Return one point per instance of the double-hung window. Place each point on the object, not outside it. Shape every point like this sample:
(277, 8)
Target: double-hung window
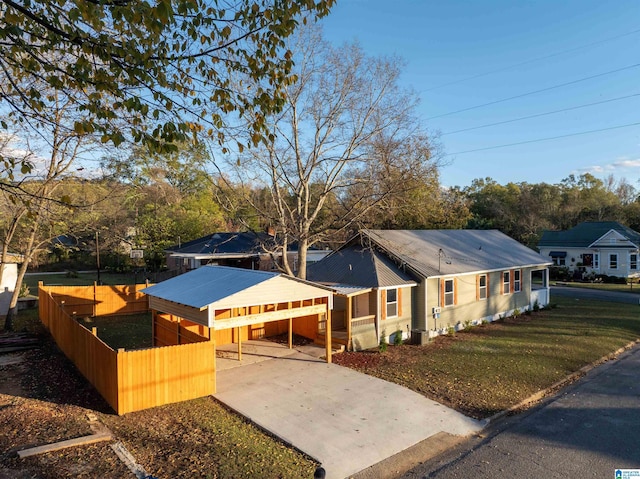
(392, 303)
(506, 282)
(517, 281)
(449, 292)
(613, 261)
(633, 261)
(482, 286)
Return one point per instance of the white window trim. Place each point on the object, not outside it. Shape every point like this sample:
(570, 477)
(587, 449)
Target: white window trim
(387, 303)
(506, 287)
(596, 261)
(517, 281)
(611, 255)
(633, 263)
(483, 288)
(452, 293)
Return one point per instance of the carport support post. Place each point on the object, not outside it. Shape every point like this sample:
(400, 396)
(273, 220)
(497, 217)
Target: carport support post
(239, 344)
(290, 332)
(328, 334)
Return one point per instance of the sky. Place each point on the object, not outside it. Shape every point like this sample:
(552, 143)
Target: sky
(477, 56)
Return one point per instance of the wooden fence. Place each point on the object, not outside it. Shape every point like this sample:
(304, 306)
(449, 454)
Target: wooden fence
(127, 380)
(100, 300)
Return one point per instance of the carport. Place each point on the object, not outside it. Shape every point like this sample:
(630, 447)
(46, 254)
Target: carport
(228, 305)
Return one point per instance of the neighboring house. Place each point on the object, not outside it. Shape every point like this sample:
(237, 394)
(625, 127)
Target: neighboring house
(598, 247)
(9, 278)
(247, 250)
(429, 280)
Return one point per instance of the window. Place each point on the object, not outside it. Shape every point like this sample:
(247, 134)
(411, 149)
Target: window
(559, 261)
(392, 303)
(449, 292)
(517, 282)
(482, 286)
(596, 261)
(633, 261)
(613, 261)
(506, 282)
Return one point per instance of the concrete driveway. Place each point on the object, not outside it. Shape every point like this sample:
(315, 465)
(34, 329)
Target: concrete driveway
(345, 420)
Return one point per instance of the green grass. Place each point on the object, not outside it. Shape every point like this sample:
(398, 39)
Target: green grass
(623, 288)
(132, 331)
(82, 279)
(493, 367)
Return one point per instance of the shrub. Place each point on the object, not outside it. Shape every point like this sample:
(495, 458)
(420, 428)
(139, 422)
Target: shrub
(24, 291)
(383, 342)
(559, 273)
(451, 331)
(536, 306)
(467, 325)
(397, 338)
(516, 312)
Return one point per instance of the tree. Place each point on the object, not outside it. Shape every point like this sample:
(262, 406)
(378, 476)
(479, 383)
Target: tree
(167, 67)
(34, 201)
(322, 151)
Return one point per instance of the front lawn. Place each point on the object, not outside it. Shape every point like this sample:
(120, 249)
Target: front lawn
(493, 367)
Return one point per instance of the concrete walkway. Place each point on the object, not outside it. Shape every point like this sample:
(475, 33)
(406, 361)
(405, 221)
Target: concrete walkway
(345, 420)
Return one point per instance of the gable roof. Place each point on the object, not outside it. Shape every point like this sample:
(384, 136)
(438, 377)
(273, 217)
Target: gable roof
(447, 252)
(584, 234)
(233, 287)
(358, 265)
(244, 243)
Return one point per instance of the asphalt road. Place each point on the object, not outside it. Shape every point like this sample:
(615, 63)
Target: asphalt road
(584, 293)
(589, 430)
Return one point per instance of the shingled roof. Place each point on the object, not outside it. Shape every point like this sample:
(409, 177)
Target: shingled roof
(585, 234)
(361, 266)
(446, 252)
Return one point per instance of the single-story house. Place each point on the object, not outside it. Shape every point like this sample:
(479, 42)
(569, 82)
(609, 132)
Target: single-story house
(249, 250)
(395, 282)
(594, 247)
(230, 305)
(9, 278)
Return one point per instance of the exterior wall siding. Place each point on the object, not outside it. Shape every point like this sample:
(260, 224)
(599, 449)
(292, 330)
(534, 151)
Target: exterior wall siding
(469, 310)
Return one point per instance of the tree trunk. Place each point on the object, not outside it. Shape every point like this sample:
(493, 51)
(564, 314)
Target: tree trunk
(303, 246)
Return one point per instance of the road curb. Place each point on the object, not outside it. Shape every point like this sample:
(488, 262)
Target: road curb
(537, 397)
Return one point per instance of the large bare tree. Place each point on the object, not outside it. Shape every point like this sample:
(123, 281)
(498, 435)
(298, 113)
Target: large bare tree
(323, 161)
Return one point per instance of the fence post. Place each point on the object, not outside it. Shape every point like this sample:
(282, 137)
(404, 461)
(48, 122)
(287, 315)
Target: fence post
(93, 306)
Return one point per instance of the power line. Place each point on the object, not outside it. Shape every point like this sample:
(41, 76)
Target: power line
(541, 114)
(573, 82)
(515, 65)
(542, 139)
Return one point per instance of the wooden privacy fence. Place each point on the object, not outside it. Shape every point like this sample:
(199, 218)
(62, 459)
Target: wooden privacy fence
(100, 300)
(127, 380)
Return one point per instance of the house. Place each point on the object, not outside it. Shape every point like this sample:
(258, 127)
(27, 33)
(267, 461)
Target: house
(594, 247)
(248, 250)
(9, 278)
(230, 305)
(427, 280)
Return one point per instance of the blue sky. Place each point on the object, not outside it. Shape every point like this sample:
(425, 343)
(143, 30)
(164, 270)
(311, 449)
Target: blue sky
(450, 45)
